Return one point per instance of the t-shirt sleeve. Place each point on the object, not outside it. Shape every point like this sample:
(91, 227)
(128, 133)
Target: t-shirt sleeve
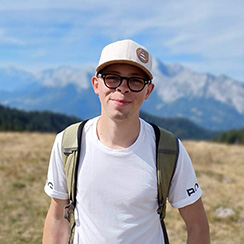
(184, 188)
(56, 186)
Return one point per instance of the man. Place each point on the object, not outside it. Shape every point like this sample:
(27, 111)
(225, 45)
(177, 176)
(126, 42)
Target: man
(117, 183)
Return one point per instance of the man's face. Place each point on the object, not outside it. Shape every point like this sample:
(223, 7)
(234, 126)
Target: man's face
(121, 103)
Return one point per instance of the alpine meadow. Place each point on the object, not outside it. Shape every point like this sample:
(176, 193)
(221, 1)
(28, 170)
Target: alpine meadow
(23, 203)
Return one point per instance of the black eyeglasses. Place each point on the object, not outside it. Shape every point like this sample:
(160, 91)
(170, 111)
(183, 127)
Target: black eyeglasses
(135, 84)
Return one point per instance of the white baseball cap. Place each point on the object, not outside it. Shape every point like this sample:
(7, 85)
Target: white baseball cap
(126, 52)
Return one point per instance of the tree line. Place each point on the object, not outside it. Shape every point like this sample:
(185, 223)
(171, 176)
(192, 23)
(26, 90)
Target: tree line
(19, 120)
(231, 137)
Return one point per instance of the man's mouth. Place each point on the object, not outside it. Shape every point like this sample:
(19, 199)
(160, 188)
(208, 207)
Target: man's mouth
(119, 102)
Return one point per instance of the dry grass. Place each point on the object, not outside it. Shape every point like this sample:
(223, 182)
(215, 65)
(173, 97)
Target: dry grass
(23, 168)
(219, 170)
(23, 204)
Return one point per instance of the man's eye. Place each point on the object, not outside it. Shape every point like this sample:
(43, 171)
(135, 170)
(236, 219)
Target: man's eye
(137, 80)
(112, 77)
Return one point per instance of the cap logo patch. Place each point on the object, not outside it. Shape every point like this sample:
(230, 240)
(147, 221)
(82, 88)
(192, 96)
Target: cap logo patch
(142, 55)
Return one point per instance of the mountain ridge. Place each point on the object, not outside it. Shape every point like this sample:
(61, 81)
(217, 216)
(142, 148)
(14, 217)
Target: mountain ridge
(211, 102)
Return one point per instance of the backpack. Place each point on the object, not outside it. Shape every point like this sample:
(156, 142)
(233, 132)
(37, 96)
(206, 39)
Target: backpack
(167, 150)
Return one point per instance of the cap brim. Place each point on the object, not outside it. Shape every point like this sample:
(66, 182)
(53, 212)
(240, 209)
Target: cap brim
(124, 61)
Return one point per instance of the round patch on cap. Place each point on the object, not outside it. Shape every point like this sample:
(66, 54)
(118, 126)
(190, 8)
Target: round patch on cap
(142, 54)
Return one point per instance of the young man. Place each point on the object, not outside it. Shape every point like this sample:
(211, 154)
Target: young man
(117, 183)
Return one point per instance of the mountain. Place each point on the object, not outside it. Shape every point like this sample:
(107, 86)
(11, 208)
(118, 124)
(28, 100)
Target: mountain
(181, 127)
(215, 103)
(212, 102)
(63, 90)
(12, 79)
(67, 100)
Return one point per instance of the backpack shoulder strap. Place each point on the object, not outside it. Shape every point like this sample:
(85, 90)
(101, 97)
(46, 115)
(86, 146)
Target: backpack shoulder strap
(167, 156)
(71, 144)
(167, 151)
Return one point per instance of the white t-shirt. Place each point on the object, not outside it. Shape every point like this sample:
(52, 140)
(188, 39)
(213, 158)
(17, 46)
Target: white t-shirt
(117, 189)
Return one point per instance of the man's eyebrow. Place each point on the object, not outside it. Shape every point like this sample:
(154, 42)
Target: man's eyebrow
(137, 74)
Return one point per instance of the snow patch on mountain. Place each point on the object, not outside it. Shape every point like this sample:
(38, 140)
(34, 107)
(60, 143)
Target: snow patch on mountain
(64, 75)
(174, 82)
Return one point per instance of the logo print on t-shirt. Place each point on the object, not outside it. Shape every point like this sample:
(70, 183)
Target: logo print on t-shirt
(50, 184)
(190, 191)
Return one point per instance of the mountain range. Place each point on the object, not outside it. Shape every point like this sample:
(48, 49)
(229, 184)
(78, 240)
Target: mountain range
(215, 103)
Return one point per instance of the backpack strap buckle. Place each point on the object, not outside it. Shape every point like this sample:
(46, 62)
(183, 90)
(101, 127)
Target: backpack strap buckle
(68, 211)
(160, 208)
(69, 215)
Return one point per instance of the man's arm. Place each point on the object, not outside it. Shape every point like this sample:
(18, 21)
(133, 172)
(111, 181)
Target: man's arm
(196, 223)
(56, 228)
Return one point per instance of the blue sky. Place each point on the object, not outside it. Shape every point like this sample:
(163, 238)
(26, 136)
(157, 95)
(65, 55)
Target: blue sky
(206, 36)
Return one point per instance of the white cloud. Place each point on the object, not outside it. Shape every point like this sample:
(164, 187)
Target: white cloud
(7, 39)
(39, 53)
(201, 32)
(43, 4)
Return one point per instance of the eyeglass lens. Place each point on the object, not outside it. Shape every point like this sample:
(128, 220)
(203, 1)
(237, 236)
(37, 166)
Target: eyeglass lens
(134, 83)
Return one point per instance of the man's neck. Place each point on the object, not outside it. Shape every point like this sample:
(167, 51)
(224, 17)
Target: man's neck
(118, 134)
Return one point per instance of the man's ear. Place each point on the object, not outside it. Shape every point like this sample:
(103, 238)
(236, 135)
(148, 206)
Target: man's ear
(149, 90)
(95, 84)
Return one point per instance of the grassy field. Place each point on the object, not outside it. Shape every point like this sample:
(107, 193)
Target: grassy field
(23, 204)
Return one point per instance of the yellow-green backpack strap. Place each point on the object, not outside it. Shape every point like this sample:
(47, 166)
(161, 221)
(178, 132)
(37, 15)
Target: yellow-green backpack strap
(167, 156)
(71, 144)
(167, 151)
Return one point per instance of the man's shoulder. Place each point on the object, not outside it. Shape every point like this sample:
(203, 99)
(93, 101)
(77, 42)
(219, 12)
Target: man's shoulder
(88, 124)
(150, 128)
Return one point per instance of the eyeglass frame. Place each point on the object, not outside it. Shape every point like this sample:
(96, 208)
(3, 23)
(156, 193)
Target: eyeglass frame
(103, 76)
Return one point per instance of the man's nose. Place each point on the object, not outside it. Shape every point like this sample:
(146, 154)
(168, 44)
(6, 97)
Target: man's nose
(123, 88)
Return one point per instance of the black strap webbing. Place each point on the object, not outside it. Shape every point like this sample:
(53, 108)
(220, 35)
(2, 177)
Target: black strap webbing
(79, 138)
(157, 138)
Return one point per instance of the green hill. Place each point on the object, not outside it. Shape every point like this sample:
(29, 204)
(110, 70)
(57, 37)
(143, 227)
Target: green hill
(231, 137)
(18, 120)
(181, 127)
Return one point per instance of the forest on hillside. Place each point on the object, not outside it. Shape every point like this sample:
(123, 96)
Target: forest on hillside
(231, 137)
(19, 120)
(12, 119)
